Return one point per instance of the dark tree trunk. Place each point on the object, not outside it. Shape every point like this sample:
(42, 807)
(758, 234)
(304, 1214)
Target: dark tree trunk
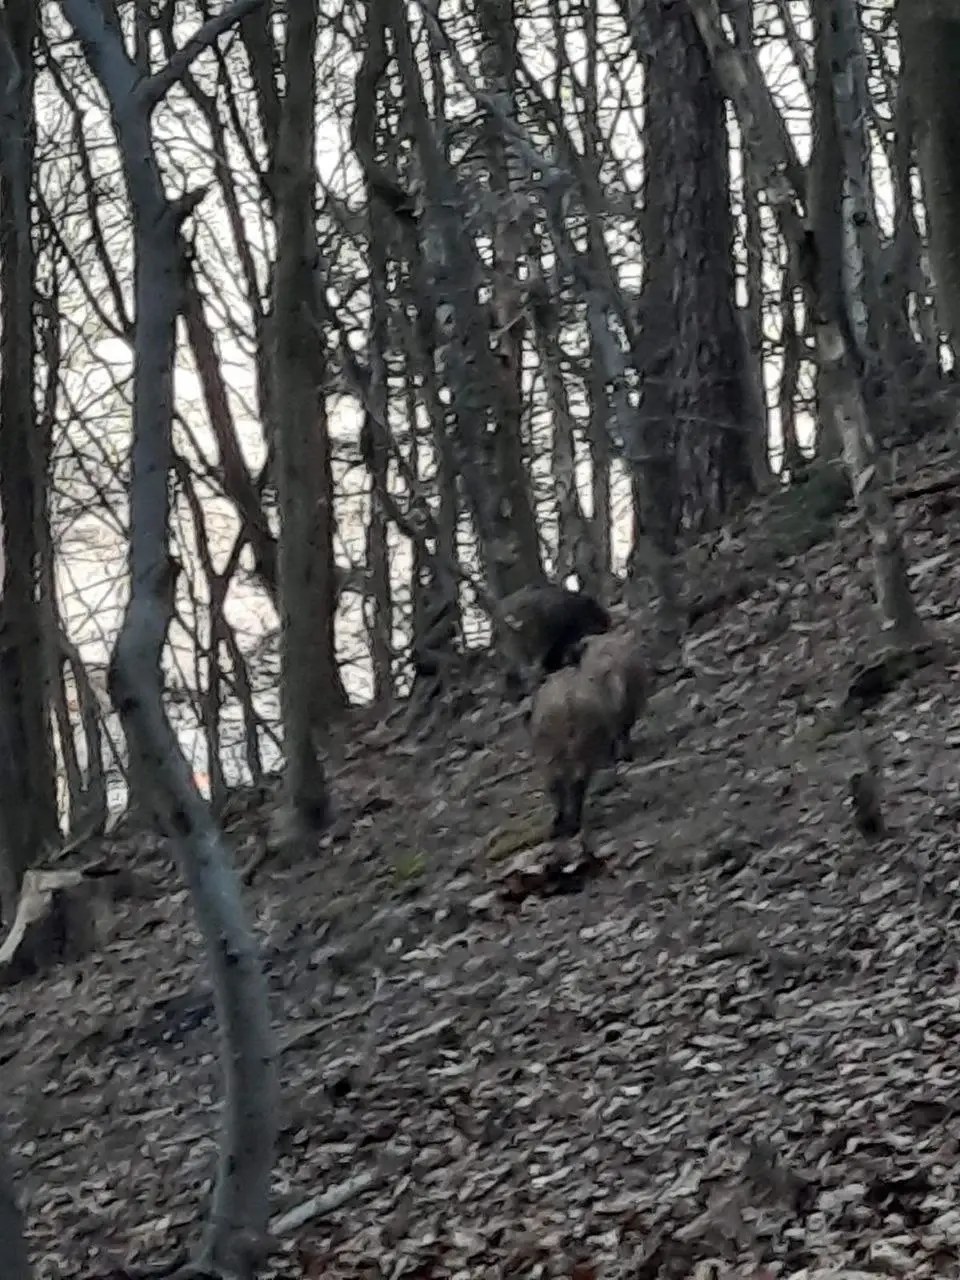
(32, 815)
(930, 34)
(311, 688)
(697, 384)
(13, 1247)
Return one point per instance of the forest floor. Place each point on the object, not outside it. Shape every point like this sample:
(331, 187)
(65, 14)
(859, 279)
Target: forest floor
(726, 1044)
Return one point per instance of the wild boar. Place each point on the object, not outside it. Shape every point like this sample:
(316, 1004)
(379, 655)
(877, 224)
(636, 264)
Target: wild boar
(545, 622)
(618, 660)
(574, 722)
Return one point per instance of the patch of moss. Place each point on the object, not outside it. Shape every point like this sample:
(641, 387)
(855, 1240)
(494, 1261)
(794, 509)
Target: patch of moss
(409, 867)
(526, 832)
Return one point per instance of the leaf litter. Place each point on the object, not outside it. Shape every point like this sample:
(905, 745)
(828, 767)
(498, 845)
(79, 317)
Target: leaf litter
(725, 1046)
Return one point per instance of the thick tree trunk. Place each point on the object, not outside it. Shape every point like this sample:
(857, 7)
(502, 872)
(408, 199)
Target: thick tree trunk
(13, 1245)
(310, 684)
(515, 513)
(705, 399)
(930, 35)
(26, 652)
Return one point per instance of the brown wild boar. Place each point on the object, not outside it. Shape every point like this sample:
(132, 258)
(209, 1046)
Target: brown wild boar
(573, 727)
(545, 623)
(618, 659)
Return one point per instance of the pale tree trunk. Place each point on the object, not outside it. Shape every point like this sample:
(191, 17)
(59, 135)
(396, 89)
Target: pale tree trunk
(238, 1219)
(435, 613)
(765, 133)
(930, 35)
(26, 650)
(378, 597)
(689, 294)
(842, 86)
(375, 453)
(790, 341)
(755, 396)
(598, 424)
(375, 434)
(309, 685)
(394, 230)
(910, 282)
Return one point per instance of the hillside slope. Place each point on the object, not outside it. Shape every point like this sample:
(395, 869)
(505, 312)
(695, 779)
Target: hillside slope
(730, 1042)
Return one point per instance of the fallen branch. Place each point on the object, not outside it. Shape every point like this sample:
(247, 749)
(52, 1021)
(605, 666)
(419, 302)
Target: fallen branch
(319, 1206)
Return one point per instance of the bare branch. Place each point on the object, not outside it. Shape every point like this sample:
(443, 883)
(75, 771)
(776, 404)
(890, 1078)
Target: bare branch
(153, 90)
(103, 47)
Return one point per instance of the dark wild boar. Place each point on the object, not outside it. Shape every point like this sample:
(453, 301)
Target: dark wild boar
(545, 624)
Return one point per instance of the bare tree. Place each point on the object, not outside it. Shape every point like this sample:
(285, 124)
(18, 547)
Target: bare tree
(765, 133)
(240, 1202)
(462, 332)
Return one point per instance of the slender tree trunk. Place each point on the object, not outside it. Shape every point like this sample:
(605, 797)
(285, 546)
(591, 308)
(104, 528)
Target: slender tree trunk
(238, 1218)
(752, 314)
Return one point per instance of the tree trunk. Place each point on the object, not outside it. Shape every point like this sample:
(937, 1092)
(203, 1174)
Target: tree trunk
(13, 1245)
(26, 651)
(705, 402)
(309, 681)
(930, 35)
(239, 1212)
(515, 510)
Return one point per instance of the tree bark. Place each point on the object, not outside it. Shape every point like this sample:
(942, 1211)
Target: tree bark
(26, 651)
(515, 514)
(239, 1212)
(13, 1245)
(930, 35)
(704, 403)
(304, 478)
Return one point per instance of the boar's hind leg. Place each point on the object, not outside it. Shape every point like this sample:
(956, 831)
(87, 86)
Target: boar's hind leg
(575, 797)
(558, 796)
